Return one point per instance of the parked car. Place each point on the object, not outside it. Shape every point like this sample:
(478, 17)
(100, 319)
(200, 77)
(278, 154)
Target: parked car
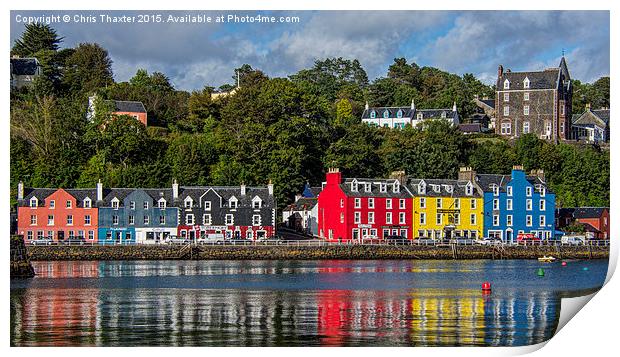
(177, 240)
(489, 241)
(73, 241)
(574, 239)
(42, 241)
(397, 240)
(216, 238)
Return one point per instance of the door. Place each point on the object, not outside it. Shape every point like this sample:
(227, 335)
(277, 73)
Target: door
(509, 236)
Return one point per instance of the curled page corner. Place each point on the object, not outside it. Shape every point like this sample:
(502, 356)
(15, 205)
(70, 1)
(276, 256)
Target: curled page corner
(570, 306)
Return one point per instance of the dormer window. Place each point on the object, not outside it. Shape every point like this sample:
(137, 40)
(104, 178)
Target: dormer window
(115, 202)
(354, 186)
(436, 188)
(449, 188)
(161, 203)
(399, 114)
(367, 187)
(87, 203)
(443, 115)
(469, 190)
(526, 83)
(420, 116)
(257, 202)
(386, 114)
(495, 189)
(396, 187)
(207, 205)
(506, 84)
(422, 188)
(383, 187)
(373, 114)
(34, 202)
(188, 202)
(233, 202)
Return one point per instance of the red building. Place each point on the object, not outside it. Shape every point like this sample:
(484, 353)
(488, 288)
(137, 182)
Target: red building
(361, 208)
(58, 214)
(594, 220)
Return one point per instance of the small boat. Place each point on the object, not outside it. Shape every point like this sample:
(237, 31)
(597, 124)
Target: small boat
(546, 259)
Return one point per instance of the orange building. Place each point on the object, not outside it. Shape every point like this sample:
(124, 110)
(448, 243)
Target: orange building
(58, 214)
(120, 107)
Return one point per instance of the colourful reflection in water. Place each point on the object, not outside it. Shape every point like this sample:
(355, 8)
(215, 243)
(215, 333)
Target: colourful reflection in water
(389, 303)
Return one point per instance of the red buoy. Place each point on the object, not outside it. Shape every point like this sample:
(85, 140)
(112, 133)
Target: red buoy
(486, 287)
(563, 264)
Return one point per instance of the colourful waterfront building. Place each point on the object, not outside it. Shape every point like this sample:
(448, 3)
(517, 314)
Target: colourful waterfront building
(516, 203)
(362, 208)
(446, 208)
(58, 214)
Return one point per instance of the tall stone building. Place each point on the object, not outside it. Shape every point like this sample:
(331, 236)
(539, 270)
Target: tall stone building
(534, 102)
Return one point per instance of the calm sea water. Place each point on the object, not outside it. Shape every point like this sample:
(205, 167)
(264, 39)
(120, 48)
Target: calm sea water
(294, 303)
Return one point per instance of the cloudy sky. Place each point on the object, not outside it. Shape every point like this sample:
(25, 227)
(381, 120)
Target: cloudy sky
(195, 55)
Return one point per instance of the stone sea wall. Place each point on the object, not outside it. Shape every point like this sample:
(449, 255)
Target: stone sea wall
(308, 253)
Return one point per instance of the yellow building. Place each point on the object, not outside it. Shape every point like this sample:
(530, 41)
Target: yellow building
(446, 208)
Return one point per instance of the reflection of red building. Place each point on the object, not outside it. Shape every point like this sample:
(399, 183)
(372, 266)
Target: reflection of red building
(334, 313)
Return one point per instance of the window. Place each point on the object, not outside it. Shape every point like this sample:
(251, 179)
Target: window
(542, 191)
(354, 186)
(145, 205)
(528, 205)
(506, 128)
(526, 96)
(509, 220)
(401, 204)
(495, 204)
(469, 190)
(422, 218)
(69, 204)
(34, 202)
(373, 114)
(233, 202)
(115, 220)
(473, 203)
(70, 220)
(87, 220)
(50, 220)
(146, 220)
(132, 220)
(207, 205)
(367, 187)
(383, 187)
(358, 203)
(528, 191)
(402, 218)
(115, 203)
(256, 220)
(506, 84)
(91, 235)
(50, 234)
(496, 220)
(371, 217)
(388, 203)
(562, 109)
(400, 113)
(542, 205)
(472, 219)
(457, 203)
(509, 204)
(162, 219)
(420, 116)
(257, 203)
(206, 219)
(526, 83)
(341, 217)
(509, 191)
(189, 219)
(33, 220)
(439, 203)
(81, 234)
(457, 219)
(162, 203)
(388, 217)
(386, 114)
(422, 202)
(506, 110)
(506, 97)
(526, 127)
(528, 220)
(495, 189)
(52, 204)
(187, 203)
(438, 218)
(526, 110)
(371, 203)
(562, 127)
(132, 205)
(357, 217)
(542, 221)
(396, 187)
(71, 234)
(39, 234)
(87, 203)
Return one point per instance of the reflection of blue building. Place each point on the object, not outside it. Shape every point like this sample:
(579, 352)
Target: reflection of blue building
(517, 204)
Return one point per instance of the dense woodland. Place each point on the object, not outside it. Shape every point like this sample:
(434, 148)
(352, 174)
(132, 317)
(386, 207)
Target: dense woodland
(288, 130)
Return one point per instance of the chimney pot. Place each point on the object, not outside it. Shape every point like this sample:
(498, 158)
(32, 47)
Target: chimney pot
(20, 191)
(99, 190)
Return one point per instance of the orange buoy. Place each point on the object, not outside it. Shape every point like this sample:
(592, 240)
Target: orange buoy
(486, 287)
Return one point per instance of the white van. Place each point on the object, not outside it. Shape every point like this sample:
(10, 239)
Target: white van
(574, 239)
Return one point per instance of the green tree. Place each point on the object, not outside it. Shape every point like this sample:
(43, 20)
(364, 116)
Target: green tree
(36, 37)
(87, 69)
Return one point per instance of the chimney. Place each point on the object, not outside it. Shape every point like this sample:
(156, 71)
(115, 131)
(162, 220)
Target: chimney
(412, 104)
(467, 173)
(588, 106)
(500, 71)
(454, 107)
(99, 191)
(366, 106)
(400, 176)
(333, 177)
(242, 189)
(517, 167)
(270, 188)
(175, 189)
(20, 191)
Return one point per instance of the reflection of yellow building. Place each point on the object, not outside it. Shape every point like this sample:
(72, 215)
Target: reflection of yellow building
(440, 318)
(446, 208)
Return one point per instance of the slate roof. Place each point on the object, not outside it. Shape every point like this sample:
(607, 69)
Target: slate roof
(409, 113)
(157, 193)
(590, 118)
(588, 212)
(304, 203)
(603, 114)
(226, 192)
(316, 190)
(24, 66)
(547, 79)
(375, 185)
(81, 193)
(470, 128)
(485, 181)
(127, 106)
(489, 102)
(435, 113)
(442, 188)
(40, 193)
(119, 193)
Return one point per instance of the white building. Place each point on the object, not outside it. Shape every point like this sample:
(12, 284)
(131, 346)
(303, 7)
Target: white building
(398, 117)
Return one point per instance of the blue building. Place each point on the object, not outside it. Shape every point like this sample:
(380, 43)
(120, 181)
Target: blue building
(515, 204)
(128, 215)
